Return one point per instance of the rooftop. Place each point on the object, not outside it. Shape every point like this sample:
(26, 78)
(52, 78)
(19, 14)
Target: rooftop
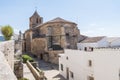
(92, 39)
(58, 19)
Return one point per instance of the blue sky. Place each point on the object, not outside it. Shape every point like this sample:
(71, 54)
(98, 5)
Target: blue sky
(94, 17)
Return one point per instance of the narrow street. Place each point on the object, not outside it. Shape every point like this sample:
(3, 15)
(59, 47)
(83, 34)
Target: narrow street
(51, 70)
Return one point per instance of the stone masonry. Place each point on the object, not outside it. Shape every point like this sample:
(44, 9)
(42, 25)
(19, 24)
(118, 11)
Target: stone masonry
(7, 60)
(47, 40)
(7, 47)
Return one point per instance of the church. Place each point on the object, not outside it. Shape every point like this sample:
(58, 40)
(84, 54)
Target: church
(47, 39)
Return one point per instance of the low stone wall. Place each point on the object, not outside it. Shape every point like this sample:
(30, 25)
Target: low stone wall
(34, 71)
(54, 56)
(18, 69)
(7, 47)
(6, 73)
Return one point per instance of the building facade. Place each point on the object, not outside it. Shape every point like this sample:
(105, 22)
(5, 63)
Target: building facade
(99, 64)
(97, 42)
(46, 40)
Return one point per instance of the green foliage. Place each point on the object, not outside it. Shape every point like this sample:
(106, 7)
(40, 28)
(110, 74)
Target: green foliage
(23, 79)
(26, 57)
(7, 32)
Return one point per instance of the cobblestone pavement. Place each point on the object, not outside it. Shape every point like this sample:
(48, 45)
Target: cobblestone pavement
(51, 70)
(27, 73)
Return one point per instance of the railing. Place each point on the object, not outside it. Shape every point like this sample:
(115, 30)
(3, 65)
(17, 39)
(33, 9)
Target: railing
(38, 75)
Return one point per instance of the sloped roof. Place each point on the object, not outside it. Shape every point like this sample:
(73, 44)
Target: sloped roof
(58, 19)
(111, 39)
(92, 39)
(35, 14)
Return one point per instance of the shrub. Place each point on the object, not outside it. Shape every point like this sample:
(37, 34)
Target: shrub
(7, 32)
(26, 57)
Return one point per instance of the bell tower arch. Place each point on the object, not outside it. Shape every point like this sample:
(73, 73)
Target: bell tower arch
(35, 20)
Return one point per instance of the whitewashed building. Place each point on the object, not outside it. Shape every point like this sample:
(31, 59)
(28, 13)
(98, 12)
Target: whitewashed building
(99, 64)
(93, 42)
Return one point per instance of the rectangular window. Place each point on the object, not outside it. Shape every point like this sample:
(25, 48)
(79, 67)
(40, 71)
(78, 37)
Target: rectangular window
(90, 63)
(71, 74)
(67, 57)
(61, 67)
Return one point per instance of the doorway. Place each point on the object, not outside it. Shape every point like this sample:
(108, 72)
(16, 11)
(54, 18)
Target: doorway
(41, 56)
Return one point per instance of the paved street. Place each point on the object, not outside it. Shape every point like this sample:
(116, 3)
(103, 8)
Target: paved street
(51, 70)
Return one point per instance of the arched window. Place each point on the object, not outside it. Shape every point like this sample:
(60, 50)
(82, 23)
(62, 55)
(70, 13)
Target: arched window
(37, 20)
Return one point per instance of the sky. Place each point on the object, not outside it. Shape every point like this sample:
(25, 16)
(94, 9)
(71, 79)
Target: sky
(94, 17)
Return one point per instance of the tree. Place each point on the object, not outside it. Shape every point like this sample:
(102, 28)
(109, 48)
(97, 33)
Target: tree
(7, 32)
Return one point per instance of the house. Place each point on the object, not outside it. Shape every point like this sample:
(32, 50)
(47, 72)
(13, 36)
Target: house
(99, 64)
(100, 41)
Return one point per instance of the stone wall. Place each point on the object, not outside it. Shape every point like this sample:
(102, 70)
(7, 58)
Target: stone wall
(38, 46)
(6, 73)
(28, 40)
(18, 69)
(54, 56)
(7, 47)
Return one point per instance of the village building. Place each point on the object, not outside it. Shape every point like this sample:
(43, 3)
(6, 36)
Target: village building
(99, 41)
(97, 64)
(47, 40)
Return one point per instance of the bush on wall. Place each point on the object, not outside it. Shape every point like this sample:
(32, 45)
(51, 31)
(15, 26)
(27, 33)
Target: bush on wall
(26, 57)
(7, 32)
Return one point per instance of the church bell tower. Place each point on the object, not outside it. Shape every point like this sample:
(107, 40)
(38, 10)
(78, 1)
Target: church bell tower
(35, 20)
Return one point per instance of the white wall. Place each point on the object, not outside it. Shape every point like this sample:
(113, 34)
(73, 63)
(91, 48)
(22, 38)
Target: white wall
(105, 65)
(81, 46)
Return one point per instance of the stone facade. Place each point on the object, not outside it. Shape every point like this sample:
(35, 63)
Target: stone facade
(46, 40)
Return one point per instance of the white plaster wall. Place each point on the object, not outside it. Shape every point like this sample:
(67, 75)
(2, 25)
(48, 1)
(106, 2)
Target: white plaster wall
(105, 64)
(81, 46)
